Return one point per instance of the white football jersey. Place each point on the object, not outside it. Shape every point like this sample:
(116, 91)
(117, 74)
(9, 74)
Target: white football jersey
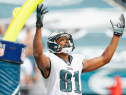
(64, 79)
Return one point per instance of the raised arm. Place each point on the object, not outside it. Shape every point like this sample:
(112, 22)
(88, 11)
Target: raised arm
(95, 63)
(41, 59)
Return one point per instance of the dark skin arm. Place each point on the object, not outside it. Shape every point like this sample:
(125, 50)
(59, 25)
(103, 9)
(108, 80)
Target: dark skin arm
(41, 59)
(95, 63)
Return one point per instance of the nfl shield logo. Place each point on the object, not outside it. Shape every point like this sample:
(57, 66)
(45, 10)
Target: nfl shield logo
(23, 54)
(2, 49)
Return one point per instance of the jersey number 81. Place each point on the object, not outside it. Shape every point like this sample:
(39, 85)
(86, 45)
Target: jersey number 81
(66, 83)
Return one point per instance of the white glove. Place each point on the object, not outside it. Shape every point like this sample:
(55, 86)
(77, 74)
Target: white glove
(118, 28)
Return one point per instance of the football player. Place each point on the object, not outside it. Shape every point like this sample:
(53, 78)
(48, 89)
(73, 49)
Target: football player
(61, 71)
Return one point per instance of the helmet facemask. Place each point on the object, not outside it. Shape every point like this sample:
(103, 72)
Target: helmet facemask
(67, 48)
(55, 47)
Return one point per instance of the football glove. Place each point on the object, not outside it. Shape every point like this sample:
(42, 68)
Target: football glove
(118, 28)
(40, 14)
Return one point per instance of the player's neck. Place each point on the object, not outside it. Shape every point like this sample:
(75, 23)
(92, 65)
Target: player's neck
(62, 55)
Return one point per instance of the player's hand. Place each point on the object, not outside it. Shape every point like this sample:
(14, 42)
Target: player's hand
(118, 28)
(40, 14)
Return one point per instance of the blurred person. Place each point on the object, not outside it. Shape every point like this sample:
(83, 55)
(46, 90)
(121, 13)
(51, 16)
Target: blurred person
(25, 36)
(26, 71)
(25, 76)
(61, 71)
(2, 30)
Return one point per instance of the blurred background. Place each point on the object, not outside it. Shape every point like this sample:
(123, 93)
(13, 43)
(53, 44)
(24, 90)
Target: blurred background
(89, 23)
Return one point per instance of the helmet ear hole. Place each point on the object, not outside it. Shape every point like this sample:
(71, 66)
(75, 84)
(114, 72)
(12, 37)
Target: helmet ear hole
(59, 46)
(53, 47)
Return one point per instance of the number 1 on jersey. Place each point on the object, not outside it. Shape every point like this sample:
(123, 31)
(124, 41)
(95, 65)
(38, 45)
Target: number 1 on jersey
(76, 75)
